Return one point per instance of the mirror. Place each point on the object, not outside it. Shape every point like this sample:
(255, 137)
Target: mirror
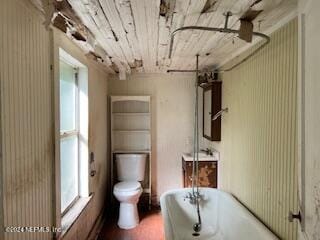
(207, 96)
(211, 106)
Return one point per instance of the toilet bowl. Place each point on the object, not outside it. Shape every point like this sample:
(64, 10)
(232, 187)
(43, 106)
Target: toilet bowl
(128, 193)
(130, 171)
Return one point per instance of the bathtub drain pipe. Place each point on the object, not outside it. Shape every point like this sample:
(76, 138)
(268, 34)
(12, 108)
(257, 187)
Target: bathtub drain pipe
(197, 226)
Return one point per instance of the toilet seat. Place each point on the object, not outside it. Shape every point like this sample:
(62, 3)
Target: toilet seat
(127, 186)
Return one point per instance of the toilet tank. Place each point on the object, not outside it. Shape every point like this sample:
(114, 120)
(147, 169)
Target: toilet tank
(131, 167)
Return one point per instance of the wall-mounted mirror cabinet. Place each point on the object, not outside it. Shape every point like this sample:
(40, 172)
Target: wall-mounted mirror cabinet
(211, 106)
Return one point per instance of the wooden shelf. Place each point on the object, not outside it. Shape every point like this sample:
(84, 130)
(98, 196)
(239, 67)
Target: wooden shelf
(130, 131)
(131, 151)
(131, 114)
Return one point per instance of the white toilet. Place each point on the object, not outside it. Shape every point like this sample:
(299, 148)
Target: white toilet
(130, 170)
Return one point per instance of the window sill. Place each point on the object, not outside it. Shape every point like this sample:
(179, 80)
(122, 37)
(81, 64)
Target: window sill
(72, 215)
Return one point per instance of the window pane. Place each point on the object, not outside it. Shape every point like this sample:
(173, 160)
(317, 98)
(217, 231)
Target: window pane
(67, 97)
(69, 170)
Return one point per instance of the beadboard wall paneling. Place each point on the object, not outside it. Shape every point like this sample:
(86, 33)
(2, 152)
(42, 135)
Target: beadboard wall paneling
(259, 133)
(27, 119)
(27, 123)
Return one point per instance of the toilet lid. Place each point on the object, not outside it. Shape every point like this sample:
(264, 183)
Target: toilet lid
(127, 186)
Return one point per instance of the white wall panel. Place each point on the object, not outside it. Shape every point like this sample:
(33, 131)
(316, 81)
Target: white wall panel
(26, 116)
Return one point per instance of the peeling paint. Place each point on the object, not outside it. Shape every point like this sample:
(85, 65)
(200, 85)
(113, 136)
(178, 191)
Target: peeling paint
(134, 29)
(164, 7)
(316, 220)
(209, 6)
(138, 63)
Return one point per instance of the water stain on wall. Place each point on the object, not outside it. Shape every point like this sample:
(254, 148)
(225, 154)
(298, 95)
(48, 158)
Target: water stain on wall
(316, 234)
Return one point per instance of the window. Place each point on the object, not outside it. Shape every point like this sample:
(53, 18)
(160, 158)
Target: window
(69, 135)
(73, 131)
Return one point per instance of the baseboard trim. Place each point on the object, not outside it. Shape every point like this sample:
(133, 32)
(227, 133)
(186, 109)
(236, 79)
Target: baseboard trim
(97, 226)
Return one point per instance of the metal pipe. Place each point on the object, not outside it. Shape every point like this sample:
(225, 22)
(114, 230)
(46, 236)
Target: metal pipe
(210, 29)
(195, 165)
(195, 137)
(228, 14)
(178, 70)
(197, 122)
(221, 30)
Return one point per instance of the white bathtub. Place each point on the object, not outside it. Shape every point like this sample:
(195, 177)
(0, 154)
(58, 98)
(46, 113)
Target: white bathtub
(223, 217)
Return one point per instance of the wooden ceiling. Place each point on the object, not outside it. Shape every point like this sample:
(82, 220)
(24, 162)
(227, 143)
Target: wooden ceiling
(134, 35)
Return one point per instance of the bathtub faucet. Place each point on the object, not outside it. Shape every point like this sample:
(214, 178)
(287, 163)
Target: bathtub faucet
(190, 197)
(208, 151)
(193, 198)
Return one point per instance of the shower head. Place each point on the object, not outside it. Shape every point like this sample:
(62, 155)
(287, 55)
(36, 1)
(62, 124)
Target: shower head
(218, 114)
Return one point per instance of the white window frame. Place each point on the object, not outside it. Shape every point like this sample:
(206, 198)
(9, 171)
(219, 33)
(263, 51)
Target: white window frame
(68, 216)
(74, 132)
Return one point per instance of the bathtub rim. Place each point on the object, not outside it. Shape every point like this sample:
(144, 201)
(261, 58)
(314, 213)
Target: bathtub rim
(167, 222)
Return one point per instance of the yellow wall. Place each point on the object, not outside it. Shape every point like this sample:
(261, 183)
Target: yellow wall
(259, 134)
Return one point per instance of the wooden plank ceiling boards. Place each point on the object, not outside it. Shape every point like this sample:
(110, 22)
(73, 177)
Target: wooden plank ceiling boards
(134, 35)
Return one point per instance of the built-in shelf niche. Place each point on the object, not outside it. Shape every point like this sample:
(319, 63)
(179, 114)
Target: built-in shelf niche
(131, 140)
(131, 123)
(131, 106)
(131, 130)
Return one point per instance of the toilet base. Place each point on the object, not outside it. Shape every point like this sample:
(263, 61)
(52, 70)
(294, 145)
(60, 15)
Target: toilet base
(128, 216)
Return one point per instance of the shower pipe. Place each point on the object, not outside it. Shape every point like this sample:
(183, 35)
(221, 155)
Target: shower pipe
(221, 30)
(195, 161)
